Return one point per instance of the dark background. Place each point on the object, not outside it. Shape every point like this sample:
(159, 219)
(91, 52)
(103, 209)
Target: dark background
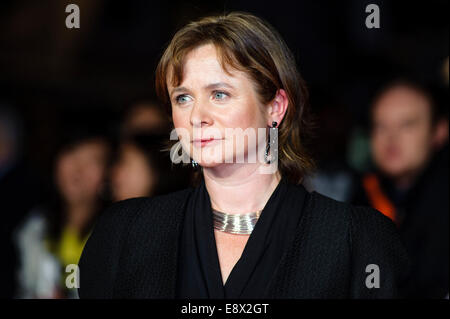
(50, 73)
(52, 76)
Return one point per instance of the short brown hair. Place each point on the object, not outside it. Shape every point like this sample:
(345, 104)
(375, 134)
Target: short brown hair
(248, 43)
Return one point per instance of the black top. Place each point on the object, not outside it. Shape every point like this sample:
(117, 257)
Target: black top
(423, 226)
(134, 251)
(199, 274)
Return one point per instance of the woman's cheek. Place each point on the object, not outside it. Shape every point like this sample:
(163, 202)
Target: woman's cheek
(176, 119)
(240, 117)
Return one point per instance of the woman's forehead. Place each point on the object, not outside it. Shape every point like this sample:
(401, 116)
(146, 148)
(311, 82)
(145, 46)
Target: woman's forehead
(202, 67)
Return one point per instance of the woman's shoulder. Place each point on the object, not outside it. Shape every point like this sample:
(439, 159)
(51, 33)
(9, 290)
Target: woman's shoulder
(130, 225)
(354, 214)
(127, 210)
(372, 237)
(345, 221)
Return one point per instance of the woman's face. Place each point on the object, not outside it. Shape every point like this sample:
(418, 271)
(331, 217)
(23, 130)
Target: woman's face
(131, 176)
(209, 103)
(80, 172)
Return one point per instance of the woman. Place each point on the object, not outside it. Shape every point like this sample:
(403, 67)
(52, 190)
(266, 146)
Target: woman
(141, 170)
(54, 234)
(249, 229)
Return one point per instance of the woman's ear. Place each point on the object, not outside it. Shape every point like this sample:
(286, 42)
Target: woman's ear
(278, 107)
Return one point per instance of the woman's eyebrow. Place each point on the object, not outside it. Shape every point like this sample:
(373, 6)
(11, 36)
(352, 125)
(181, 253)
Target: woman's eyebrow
(206, 87)
(218, 85)
(178, 89)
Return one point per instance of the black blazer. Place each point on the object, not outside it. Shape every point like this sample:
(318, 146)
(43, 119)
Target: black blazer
(133, 250)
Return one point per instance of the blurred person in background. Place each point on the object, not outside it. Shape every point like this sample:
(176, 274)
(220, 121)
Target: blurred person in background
(144, 117)
(19, 192)
(409, 143)
(54, 233)
(333, 176)
(141, 169)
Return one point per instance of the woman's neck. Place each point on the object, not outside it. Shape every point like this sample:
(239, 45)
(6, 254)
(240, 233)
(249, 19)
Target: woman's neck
(239, 188)
(78, 214)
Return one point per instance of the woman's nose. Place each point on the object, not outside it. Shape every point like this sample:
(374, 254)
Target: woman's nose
(200, 115)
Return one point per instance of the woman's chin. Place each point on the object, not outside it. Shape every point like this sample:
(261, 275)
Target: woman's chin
(209, 163)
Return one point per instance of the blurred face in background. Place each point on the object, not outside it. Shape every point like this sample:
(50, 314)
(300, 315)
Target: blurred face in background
(210, 99)
(402, 132)
(144, 117)
(80, 171)
(132, 175)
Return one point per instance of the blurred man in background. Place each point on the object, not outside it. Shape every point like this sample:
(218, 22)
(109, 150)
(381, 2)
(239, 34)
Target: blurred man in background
(409, 142)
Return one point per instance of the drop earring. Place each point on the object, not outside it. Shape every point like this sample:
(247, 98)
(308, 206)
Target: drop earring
(273, 137)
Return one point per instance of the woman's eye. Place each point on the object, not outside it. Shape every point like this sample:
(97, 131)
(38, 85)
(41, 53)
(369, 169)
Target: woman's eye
(181, 99)
(220, 95)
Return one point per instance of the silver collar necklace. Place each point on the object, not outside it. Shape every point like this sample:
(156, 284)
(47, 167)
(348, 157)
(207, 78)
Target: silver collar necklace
(241, 224)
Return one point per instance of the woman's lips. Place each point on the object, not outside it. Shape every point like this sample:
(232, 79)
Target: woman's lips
(204, 142)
